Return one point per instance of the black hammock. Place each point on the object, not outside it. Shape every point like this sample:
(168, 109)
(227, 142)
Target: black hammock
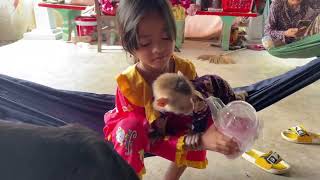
(28, 102)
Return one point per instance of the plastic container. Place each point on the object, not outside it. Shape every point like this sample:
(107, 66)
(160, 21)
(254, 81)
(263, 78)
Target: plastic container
(238, 120)
(237, 5)
(86, 26)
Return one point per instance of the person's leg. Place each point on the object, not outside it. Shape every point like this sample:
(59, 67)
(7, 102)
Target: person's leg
(269, 43)
(174, 172)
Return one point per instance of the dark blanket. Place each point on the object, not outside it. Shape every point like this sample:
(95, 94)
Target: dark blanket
(29, 102)
(36, 104)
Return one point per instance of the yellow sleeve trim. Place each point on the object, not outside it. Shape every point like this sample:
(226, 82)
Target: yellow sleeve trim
(137, 91)
(181, 154)
(151, 114)
(197, 164)
(132, 86)
(142, 172)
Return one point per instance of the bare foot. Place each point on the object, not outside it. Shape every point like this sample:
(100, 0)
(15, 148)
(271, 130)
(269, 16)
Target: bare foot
(241, 95)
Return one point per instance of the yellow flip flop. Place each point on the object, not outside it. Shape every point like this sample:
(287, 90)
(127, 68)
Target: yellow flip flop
(270, 162)
(298, 134)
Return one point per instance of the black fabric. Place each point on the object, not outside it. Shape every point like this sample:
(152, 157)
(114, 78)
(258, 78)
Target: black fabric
(29, 102)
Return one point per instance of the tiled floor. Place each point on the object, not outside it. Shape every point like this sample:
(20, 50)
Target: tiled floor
(80, 67)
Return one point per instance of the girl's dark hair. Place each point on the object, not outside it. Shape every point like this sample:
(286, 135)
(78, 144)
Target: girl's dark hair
(130, 13)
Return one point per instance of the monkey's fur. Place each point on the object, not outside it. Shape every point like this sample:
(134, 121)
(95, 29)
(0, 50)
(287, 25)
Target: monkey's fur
(175, 93)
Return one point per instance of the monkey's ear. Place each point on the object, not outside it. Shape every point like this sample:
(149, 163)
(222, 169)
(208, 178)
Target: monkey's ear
(180, 73)
(162, 102)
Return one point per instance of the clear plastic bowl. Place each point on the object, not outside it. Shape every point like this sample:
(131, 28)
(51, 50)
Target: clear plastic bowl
(238, 120)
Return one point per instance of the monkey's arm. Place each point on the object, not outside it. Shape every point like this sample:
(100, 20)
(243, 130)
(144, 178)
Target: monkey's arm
(160, 125)
(158, 129)
(212, 85)
(199, 104)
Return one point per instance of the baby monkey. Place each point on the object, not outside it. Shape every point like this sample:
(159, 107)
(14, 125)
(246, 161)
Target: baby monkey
(175, 93)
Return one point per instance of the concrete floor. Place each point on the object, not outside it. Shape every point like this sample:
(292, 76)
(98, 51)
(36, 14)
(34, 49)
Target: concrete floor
(78, 67)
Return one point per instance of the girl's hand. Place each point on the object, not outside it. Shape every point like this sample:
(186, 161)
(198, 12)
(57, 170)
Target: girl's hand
(292, 32)
(214, 140)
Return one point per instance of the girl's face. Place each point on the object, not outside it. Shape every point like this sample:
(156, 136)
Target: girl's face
(154, 45)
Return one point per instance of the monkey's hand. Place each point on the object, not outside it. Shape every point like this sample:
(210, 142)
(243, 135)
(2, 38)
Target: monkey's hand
(199, 105)
(161, 124)
(193, 142)
(154, 136)
(159, 129)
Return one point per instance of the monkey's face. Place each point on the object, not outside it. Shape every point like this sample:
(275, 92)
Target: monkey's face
(173, 93)
(180, 104)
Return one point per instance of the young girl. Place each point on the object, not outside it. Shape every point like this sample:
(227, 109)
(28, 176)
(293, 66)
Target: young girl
(147, 30)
